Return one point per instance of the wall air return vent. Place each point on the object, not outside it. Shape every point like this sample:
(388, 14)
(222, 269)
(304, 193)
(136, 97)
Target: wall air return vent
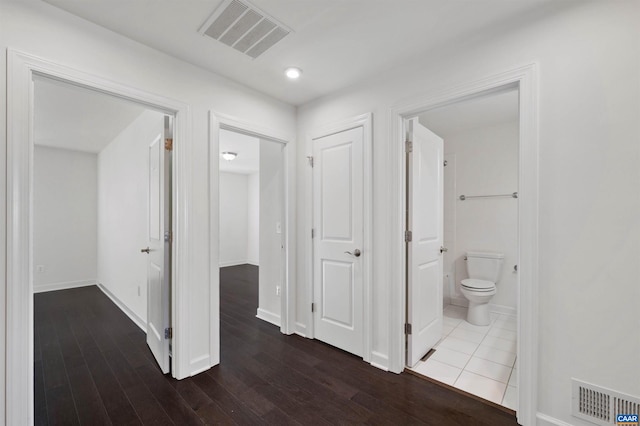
(601, 405)
(244, 27)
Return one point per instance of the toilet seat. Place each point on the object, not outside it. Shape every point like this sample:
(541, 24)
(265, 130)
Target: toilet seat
(473, 284)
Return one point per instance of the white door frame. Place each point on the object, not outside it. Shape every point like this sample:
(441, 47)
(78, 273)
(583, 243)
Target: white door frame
(366, 122)
(21, 68)
(219, 121)
(524, 78)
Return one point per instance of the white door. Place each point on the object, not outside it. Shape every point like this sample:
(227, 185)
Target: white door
(338, 219)
(424, 257)
(158, 250)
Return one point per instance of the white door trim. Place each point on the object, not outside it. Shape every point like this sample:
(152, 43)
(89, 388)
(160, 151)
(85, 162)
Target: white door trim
(526, 79)
(219, 121)
(21, 67)
(366, 122)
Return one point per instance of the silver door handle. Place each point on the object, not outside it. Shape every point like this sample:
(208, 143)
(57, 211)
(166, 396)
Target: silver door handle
(145, 250)
(355, 253)
(443, 249)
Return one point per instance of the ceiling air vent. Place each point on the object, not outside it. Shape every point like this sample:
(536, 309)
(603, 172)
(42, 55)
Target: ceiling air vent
(244, 27)
(601, 405)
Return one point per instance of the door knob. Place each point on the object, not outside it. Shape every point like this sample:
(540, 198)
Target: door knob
(145, 250)
(355, 253)
(443, 249)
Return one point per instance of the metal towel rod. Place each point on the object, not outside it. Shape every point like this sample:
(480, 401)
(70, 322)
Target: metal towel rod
(466, 197)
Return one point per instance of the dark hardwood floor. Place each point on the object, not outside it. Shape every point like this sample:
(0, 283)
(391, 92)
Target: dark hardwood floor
(92, 367)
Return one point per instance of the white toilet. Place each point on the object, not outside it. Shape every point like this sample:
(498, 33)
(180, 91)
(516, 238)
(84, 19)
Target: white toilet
(484, 271)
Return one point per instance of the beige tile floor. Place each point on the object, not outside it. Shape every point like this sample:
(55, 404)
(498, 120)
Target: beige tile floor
(478, 360)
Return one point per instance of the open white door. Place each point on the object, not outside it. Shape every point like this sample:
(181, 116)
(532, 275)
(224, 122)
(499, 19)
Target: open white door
(424, 257)
(338, 218)
(159, 249)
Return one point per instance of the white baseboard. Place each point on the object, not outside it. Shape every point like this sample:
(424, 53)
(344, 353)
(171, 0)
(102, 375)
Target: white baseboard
(199, 364)
(132, 315)
(253, 262)
(459, 301)
(503, 310)
(379, 360)
(544, 420)
(496, 309)
(300, 329)
(268, 317)
(446, 300)
(63, 286)
(235, 263)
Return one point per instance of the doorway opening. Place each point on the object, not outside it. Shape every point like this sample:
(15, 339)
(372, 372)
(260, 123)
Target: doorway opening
(102, 208)
(524, 79)
(251, 221)
(24, 69)
(271, 245)
(462, 262)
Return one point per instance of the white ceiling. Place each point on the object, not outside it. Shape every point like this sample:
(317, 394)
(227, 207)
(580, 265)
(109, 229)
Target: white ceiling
(485, 111)
(247, 148)
(76, 118)
(80, 119)
(336, 42)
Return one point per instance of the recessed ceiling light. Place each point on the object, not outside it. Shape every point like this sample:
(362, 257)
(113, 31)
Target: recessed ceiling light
(228, 155)
(293, 73)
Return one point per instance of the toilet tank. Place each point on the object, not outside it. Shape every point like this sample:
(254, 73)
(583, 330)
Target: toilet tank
(484, 265)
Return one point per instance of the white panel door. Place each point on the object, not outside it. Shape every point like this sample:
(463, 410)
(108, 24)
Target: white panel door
(338, 199)
(424, 257)
(158, 251)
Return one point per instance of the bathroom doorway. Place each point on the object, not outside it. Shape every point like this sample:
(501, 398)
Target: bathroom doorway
(462, 180)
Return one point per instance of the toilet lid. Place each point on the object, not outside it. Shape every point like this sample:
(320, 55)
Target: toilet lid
(478, 285)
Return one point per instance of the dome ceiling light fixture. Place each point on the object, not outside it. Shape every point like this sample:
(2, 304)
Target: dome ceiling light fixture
(229, 156)
(293, 73)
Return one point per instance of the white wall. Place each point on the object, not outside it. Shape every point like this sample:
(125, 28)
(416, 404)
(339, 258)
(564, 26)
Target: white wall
(64, 219)
(234, 219)
(483, 161)
(45, 31)
(123, 223)
(589, 62)
(253, 225)
(270, 275)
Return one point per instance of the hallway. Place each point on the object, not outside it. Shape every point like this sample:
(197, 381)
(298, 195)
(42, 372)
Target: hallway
(92, 366)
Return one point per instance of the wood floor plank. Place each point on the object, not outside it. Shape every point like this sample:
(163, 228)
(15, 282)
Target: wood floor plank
(192, 394)
(88, 354)
(87, 399)
(383, 412)
(39, 399)
(169, 399)
(147, 406)
(61, 407)
(278, 417)
(212, 414)
(114, 399)
(237, 410)
(53, 367)
(143, 401)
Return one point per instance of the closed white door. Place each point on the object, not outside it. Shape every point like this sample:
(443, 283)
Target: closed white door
(425, 190)
(338, 199)
(158, 250)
